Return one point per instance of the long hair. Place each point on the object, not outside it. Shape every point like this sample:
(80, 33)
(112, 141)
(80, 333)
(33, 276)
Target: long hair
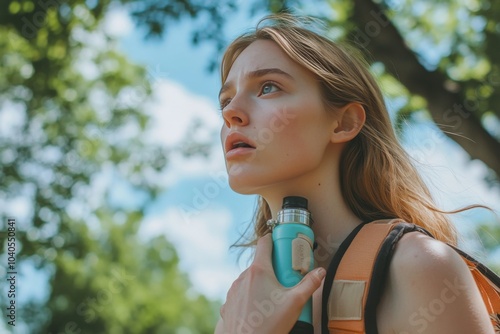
(377, 177)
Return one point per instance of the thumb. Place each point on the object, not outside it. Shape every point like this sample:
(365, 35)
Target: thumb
(310, 283)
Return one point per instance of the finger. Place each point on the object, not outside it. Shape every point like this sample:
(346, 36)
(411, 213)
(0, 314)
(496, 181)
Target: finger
(310, 283)
(264, 250)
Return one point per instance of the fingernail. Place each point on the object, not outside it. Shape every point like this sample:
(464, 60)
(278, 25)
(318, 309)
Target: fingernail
(321, 272)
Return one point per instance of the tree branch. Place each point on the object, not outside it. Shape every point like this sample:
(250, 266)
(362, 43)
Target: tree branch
(451, 111)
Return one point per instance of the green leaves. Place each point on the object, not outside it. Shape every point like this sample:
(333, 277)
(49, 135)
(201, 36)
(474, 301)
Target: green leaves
(73, 106)
(109, 276)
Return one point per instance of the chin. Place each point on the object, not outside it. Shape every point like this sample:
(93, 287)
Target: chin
(245, 184)
(241, 188)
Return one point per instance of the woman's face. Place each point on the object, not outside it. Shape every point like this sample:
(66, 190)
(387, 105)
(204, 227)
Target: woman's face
(276, 131)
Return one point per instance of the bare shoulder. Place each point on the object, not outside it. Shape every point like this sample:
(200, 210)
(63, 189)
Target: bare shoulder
(418, 254)
(430, 289)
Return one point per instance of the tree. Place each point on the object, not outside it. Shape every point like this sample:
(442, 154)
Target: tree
(70, 110)
(461, 88)
(109, 281)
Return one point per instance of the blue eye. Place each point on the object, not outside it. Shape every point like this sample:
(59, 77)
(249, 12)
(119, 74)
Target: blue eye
(269, 88)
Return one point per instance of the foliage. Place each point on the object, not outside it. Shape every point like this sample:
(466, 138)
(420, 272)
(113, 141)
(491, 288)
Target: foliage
(71, 119)
(209, 16)
(463, 52)
(489, 235)
(114, 283)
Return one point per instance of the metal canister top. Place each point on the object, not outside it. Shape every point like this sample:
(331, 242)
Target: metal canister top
(294, 216)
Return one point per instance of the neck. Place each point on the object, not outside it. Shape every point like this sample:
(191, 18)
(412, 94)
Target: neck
(333, 219)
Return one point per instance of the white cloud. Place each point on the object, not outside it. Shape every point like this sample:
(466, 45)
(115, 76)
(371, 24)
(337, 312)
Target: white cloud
(118, 23)
(202, 244)
(173, 110)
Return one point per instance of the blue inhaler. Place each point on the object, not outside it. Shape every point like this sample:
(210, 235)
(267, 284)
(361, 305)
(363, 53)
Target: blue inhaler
(293, 241)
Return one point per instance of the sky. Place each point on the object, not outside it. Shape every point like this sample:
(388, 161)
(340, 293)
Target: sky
(198, 212)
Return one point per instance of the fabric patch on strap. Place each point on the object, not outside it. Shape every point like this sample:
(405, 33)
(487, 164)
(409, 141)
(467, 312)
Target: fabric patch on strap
(346, 300)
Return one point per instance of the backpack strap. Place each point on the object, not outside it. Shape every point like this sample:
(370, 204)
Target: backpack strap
(330, 274)
(355, 278)
(352, 289)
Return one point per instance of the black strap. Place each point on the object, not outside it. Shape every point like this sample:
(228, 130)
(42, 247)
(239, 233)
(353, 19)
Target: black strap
(330, 275)
(380, 271)
(379, 275)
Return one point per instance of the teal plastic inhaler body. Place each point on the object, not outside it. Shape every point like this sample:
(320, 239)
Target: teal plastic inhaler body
(293, 243)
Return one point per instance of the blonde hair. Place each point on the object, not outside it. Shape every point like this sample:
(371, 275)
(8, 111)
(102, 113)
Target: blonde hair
(377, 177)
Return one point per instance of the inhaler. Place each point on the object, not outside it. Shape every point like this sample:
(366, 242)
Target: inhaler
(293, 244)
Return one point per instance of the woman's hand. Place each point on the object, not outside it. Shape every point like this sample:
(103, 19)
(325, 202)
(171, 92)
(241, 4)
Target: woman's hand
(258, 303)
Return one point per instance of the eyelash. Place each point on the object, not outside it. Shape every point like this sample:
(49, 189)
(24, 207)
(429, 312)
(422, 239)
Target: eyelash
(225, 102)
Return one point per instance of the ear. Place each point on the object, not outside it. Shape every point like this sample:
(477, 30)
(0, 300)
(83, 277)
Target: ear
(348, 122)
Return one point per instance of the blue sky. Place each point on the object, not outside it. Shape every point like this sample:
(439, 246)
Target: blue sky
(198, 212)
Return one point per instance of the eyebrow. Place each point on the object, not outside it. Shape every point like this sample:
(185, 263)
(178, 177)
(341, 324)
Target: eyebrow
(258, 74)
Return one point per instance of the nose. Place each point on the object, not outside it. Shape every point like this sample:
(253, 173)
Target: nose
(234, 115)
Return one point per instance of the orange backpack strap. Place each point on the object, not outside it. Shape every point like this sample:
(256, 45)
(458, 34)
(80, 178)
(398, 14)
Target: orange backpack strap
(356, 275)
(348, 302)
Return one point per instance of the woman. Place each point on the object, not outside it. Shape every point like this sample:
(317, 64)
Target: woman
(304, 117)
